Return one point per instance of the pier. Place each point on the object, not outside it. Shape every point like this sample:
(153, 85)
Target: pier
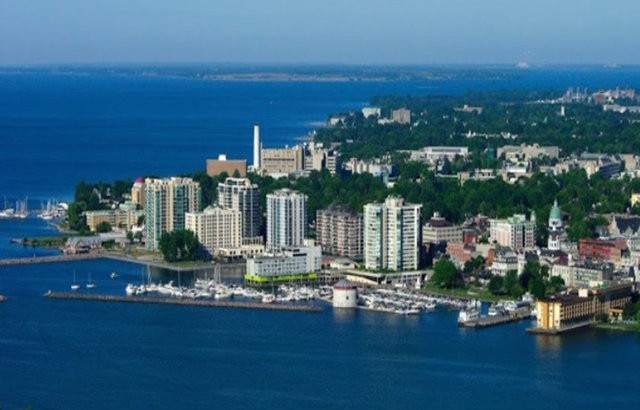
(489, 321)
(558, 331)
(183, 302)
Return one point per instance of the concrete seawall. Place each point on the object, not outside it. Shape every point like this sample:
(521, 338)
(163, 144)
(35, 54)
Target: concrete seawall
(183, 302)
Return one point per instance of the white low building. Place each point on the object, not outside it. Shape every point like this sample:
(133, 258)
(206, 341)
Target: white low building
(292, 260)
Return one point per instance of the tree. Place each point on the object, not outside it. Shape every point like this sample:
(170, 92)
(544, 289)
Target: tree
(446, 275)
(537, 288)
(554, 285)
(103, 226)
(140, 220)
(496, 284)
(179, 246)
(130, 236)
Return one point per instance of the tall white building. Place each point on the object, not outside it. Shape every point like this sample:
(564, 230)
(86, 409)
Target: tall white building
(392, 235)
(243, 196)
(216, 228)
(286, 219)
(166, 203)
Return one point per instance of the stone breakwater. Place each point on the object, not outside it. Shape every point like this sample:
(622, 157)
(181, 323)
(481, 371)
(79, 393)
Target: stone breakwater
(183, 302)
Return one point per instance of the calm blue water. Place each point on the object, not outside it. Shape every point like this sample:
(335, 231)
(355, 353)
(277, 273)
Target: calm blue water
(57, 129)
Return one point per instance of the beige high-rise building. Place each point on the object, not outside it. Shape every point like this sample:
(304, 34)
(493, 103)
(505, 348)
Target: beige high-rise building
(339, 231)
(137, 192)
(216, 228)
(516, 232)
(166, 203)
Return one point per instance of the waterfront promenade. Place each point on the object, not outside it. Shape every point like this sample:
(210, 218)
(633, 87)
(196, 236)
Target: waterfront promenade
(179, 301)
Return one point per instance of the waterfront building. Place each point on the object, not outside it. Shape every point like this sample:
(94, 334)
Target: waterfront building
(243, 196)
(216, 167)
(339, 231)
(286, 219)
(137, 192)
(392, 235)
(291, 260)
(124, 217)
(555, 228)
(282, 161)
(216, 228)
(437, 230)
(580, 308)
(167, 201)
(515, 232)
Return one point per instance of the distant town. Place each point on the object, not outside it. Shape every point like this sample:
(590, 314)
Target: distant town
(527, 197)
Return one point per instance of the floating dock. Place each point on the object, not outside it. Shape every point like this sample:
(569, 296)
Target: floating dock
(183, 302)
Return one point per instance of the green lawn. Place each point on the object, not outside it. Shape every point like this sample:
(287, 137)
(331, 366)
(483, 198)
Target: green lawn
(468, 292)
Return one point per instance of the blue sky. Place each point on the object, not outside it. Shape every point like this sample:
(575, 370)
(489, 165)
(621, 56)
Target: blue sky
(312, 31)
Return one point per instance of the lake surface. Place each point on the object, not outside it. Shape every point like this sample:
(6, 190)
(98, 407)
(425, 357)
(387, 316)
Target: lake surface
(56, 129)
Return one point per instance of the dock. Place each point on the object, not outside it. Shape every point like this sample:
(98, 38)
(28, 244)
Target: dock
(182, 302)
(489, 321)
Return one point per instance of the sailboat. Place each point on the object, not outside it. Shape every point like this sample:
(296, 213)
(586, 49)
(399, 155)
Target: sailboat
(90, 284)
(74, 285)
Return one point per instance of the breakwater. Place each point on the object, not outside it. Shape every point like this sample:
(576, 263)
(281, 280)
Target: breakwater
(49, 259)
(183, 302)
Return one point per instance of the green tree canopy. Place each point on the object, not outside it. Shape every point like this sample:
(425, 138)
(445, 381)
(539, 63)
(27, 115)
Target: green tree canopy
(179, 246)
(446, 275)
